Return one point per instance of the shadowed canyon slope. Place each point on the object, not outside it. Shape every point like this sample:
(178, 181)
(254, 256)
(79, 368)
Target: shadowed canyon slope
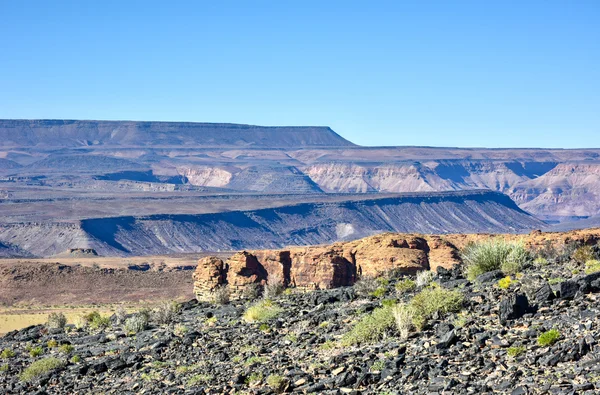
(129, 187)
(301, 224)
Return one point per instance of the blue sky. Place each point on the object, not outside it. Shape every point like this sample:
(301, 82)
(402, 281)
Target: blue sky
(438, 73)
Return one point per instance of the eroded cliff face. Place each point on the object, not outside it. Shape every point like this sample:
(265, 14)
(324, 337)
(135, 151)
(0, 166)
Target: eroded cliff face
(205, 176)
(340, 264)
(444, 175)
(567, 190)
(324, 267)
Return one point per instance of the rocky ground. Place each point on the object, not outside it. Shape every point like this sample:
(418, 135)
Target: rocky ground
(490, 346)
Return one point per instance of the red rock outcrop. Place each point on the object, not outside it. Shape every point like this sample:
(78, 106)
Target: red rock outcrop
(322, 267)
(340, 264)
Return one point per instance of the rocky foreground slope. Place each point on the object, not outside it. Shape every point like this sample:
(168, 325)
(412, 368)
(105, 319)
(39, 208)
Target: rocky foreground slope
(536, 333)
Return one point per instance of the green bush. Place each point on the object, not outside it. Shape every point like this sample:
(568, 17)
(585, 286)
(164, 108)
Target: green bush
(261, 311)
(165, 312)
(583, 254)
(276, 382)
(405, 285)
(66, 349)
(4, 368)
(94, 320)
(254, 378)
(56, 321)
(39, 368)
(75, 359)
(388, 302)
(434, 300)
(592, 266)
(379, 292)
(515, 351)
(136, 323)
(505, 282)
(540, 261)
(36, 352)
(494, 254)
(548, 338)
(370, 328)
(377, 366)
(7, 353)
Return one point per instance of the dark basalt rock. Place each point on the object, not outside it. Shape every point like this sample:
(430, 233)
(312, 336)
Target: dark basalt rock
(513, 307)
(494, 275)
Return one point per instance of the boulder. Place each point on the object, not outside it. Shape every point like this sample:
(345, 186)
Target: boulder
(513, 307)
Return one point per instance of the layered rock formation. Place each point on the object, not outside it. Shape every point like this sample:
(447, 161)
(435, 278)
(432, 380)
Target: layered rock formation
(324, 267)
(340, 264)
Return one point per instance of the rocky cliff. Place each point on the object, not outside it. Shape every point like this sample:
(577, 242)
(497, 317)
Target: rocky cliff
(340, 264)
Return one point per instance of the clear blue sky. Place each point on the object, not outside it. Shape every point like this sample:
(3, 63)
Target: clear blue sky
(441, 73)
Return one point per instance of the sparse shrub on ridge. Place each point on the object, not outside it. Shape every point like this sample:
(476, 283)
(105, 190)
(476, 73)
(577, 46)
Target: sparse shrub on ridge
(515, 351)
(56, 321)
(494, 254)
(120, 315)
(36, 351)
(99, 322)
(66, 349)
(277, 383)
(252, 291)
(39, 368)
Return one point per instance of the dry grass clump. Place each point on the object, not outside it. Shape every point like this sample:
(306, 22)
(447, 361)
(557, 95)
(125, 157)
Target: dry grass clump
(221, 295)
(370, 328)
(274, 287)
(165, 312)
(495, 254)
(404, 316)
(38, 368)
(262, 311)
(434, 300)
(424, 278)
(136, 323)
(56, 321)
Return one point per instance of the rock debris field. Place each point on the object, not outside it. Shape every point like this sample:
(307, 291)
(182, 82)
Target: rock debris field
(530, 332)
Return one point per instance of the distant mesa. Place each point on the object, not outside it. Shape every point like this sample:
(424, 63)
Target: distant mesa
(75, 133)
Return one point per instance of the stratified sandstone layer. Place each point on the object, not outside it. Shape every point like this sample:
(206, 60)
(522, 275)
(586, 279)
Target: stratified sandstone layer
(340, 264)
